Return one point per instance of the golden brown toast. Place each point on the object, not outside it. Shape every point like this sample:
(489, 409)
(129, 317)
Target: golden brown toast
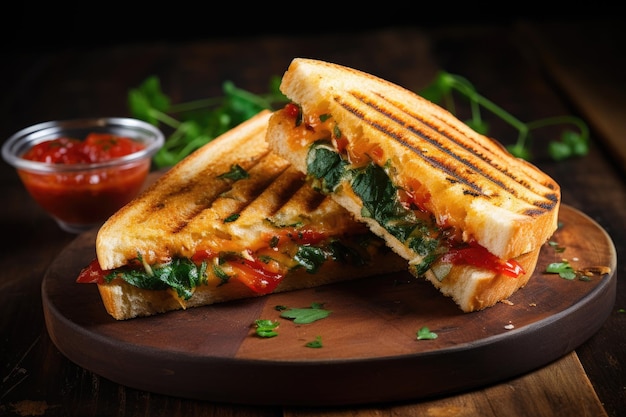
(461, 186)
(248, 213)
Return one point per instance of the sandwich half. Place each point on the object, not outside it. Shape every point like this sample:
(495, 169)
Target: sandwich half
(233, 220)
(466, 214)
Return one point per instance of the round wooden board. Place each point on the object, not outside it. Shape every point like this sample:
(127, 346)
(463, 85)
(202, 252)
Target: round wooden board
(370, 352)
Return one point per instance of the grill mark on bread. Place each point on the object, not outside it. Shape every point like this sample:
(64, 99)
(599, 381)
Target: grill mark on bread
(551, 197)
(193, 208)
(298, 195)
(456, 176)
(204, 201)
(287, 192)
(434, 162)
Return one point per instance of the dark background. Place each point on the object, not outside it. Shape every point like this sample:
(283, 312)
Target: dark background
(36, 27)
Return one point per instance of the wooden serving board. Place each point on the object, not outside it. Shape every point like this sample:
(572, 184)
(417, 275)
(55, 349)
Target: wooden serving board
(370, 352)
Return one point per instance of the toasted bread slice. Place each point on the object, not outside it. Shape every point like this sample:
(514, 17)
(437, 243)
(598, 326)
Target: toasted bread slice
(394, 159)
(248, 215)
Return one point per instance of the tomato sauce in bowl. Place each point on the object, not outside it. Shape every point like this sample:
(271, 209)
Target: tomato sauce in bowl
(82, 172)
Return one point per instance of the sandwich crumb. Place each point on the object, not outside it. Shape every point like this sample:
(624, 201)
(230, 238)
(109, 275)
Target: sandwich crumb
(592, 270)
(509, 326)
(507, 302)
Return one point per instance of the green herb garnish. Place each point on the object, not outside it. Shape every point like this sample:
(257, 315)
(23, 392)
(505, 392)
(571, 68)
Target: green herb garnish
(564, 269)
(315, 344)
(425, 334)
(306, 315)
(266, 328)
(235, 173)
(572, 143)
(232, 218)
(557, 248)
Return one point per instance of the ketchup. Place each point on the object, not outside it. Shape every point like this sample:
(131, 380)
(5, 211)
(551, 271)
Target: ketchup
(85, 196)
(97, 147)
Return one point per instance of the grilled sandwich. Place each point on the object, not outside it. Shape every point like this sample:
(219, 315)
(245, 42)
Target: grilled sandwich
(464, 213)
(233, 220)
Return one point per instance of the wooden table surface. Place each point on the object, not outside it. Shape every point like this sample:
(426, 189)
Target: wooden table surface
(533, 68)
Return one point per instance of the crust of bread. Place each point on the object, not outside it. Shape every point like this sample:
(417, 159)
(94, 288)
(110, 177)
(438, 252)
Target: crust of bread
(505, 203)
(474, 289)
(124, 301)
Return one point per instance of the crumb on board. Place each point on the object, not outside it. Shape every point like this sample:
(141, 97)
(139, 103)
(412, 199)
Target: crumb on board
(596, 269)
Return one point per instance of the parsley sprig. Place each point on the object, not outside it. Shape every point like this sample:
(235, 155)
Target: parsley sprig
(306, 315)
(564, 269)
(573, 143)
(315, 344)
(266, 328)
(425, 334)
(193, 124)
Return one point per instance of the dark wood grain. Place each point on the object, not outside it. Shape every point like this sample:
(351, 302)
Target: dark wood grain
(587, 73)
(552, 393)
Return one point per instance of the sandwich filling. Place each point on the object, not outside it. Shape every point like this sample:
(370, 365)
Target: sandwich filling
(280, 251)
(334, 163)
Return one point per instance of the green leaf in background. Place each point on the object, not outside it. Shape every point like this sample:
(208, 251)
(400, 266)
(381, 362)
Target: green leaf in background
(439, 89)
(520, 151)
(147, 102)
(572, 144)
(194, 124)
(479, 126)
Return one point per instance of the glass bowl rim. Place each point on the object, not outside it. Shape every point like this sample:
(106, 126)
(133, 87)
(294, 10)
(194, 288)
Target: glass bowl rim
(47, 130)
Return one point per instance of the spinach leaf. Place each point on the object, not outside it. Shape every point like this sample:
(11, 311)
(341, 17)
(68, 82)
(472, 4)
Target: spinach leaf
(380, 200)
(180, 274)
(326, 166)
(345, 254)
(137, 277)
(235, 173)
(310, 257)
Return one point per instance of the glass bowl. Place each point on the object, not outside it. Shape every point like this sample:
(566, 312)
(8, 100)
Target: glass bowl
(80, 196)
